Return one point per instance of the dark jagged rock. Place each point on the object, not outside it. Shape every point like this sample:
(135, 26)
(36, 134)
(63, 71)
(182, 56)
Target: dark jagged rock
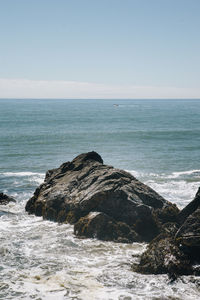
(163, 255)
(101, 226)
(85, 192)
(188, 235)
(4, 199)
(190, 208)
(176, 250)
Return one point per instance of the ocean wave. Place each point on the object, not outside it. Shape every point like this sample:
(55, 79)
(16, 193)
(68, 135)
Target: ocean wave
(21, 174)
(23, 178)
(195, 173)
(179, 192)
(20, 185)
(177, 187)
(173, 175)
(135, 173)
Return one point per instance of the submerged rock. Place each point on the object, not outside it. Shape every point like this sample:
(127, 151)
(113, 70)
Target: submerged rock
(102, 202)
(176, 251)
(4, 199)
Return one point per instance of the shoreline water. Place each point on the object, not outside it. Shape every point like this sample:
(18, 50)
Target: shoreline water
(46, 260)
(158, 142)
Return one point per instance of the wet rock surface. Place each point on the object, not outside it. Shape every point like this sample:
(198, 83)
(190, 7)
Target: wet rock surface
(176, 250)
(5, 199)
(103, 227)
(103, 202)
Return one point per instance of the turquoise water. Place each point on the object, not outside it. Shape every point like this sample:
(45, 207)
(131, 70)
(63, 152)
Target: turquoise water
(148, 135)
(158, 141)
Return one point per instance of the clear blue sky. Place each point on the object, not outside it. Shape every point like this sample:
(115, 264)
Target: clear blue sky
(111, 42)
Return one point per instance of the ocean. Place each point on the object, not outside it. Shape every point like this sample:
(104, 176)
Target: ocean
(158, 141)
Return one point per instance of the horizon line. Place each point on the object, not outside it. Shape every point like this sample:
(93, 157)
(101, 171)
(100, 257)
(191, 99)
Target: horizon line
(30, 98)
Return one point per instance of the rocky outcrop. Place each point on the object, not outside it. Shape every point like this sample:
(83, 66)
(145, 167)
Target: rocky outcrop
(102, 202)
(190, 208)
(103, 227)
(188, 234)
(176, 251)
(4, 199)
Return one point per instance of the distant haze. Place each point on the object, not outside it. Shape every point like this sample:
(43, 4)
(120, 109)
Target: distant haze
(23, 88)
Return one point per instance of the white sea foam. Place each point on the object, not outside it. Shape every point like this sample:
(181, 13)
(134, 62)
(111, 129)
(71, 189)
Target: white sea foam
(23, 178)
(194, 173)
(177, 187)
(21, 174)
(44, 260)
(179, 192)
(190, 172)
(135, 173)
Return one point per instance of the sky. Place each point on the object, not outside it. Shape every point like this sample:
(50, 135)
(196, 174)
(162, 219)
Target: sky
(100, 49)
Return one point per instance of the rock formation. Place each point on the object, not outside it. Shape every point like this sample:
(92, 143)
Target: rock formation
(101, 201)
(4, 199)
(176, 251)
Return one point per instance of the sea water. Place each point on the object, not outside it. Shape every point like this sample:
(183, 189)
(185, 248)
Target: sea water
(158, 141)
